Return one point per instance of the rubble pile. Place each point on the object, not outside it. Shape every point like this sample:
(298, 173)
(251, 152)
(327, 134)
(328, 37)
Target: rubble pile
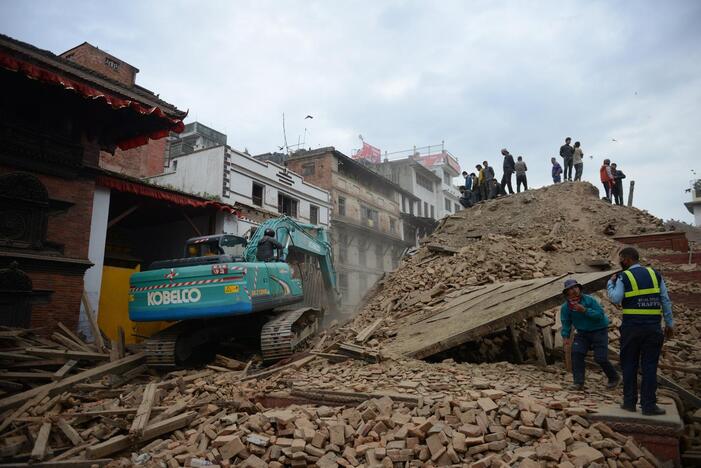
(406, 411)
(549, 231)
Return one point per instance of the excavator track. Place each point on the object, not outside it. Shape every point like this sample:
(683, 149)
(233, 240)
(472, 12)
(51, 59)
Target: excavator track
(160, 347)
(286, 332)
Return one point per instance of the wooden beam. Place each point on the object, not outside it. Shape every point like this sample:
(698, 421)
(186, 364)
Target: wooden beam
(71, 433)
(144, 412)
(79, 355)
(60, 464)
(368, 331)
(65, 369)
(99, 341)
(41, 445)
(66, 384)
(192, 225)
(122, 215)
(73, 336)
(537, 342)
(122, 442)
(518, 356)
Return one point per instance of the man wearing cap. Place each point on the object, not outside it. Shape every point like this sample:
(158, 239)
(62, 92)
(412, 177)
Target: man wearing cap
(643, 296)
(591, 323)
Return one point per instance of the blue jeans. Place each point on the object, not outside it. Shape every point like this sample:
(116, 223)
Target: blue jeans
(598, 341)
(641, 344)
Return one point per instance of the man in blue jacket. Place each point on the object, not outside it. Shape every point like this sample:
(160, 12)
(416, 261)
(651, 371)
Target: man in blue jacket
(643, 296)
(591, 323)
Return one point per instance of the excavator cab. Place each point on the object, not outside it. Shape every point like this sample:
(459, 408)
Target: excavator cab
(209, 246)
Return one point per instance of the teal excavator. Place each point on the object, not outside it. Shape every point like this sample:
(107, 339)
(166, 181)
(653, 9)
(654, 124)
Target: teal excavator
(221, 291)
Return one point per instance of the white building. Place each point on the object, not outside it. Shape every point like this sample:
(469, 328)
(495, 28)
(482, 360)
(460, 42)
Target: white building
(446, 167)
(259, 187)
(694, 206)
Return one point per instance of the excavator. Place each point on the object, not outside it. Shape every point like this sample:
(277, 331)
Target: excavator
(220, 291)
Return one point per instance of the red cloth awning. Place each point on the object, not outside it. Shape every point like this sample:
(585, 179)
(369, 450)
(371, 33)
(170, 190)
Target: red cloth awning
(161, 194)
(38, 73)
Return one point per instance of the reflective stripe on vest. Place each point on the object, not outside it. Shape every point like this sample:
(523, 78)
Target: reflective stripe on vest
(655, 289)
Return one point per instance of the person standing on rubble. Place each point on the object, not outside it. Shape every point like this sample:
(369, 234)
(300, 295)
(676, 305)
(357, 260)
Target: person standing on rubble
(617, 188)
(566, 153)
(591, 323)
(521, 169)
(509, 168)
(578, 160)
(643, 295)
(606, 177)
(488, 177)
(480, 186)
(556, 171)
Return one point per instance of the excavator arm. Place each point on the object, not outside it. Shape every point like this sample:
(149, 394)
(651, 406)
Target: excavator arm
(307, 238)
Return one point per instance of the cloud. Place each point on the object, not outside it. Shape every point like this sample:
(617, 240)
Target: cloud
(479, 75)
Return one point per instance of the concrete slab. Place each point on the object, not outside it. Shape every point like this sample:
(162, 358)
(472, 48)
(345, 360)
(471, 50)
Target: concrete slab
(659, 434)
(671, 421)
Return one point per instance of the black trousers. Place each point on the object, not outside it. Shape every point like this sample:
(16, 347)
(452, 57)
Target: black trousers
(618, 192)
(521, 179)
(506, 182)
(641, 344)
(568, 168)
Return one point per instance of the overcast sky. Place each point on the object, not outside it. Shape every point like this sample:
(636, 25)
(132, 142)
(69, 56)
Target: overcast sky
(480, 75)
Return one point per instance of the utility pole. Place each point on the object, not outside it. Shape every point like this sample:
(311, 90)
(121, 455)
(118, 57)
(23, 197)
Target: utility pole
(630, 193)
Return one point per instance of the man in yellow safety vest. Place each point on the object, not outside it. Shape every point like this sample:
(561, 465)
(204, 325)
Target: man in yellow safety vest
(643, 296)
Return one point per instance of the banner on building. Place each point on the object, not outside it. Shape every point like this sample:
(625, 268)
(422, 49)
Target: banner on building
(370, 153)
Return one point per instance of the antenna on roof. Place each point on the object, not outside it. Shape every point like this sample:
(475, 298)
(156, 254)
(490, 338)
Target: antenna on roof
(284, 134)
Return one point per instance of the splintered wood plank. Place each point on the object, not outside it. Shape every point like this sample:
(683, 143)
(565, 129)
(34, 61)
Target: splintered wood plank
(537, 343)
(368, 331)
(495, 307)
(143, 413)
(70, 354)
(122, 442)
(65, 369)
(71, 433)
(42, 443)
(56, 387)
(99, 341)
(66, 331)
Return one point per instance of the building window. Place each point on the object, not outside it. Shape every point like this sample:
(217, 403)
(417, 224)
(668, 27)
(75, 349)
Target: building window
(448, 204)
(447, 179)
(257, 194)
(433, 212)
(369, 216)
(114, 65)
(393, 226)
(342, 248)
(343, 284)
(425, 210)
(308, 169)
(313, 214)
(287, 205)
(341, 206)
(424, 182)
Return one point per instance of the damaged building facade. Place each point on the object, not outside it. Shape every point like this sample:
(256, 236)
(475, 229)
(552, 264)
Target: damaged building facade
(367, 228)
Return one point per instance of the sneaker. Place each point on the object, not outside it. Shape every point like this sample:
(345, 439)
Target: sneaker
(630, 408)
(613, 383)
(577, 387)
(654, 411)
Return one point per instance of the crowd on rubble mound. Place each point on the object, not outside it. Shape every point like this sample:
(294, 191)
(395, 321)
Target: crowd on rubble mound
(483, 184)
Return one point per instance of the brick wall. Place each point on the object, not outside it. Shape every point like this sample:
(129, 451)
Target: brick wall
(322, 170)
(144, 161)
(103, 63)
(72, 229)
